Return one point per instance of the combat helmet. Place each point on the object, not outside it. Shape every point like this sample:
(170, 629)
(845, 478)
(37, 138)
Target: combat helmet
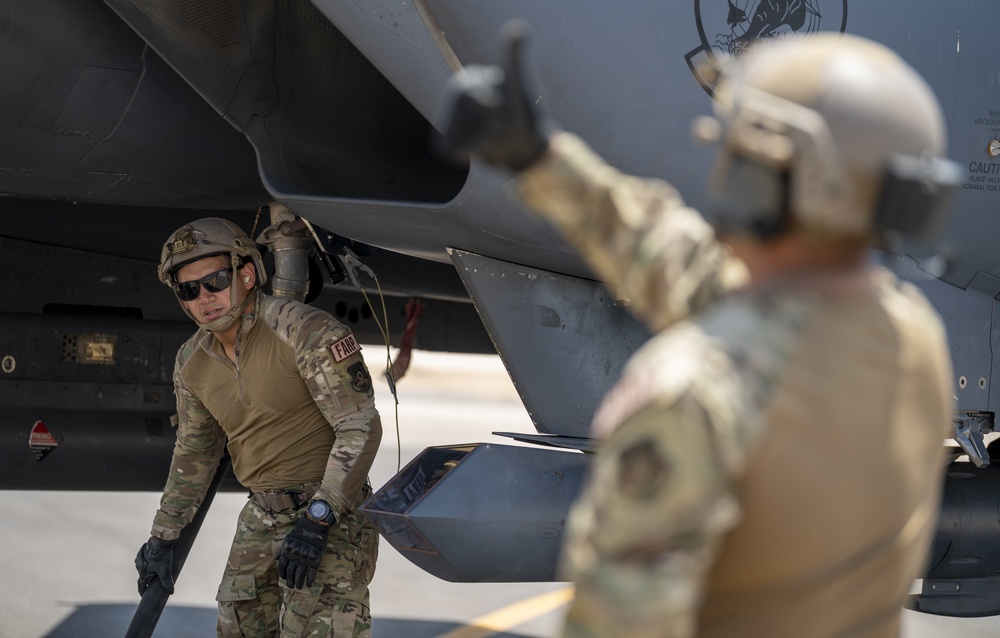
(205, 238)
(831, 134)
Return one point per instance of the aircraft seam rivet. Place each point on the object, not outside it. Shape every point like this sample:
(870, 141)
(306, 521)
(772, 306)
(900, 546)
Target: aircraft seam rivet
(8, 364)
(962, 381)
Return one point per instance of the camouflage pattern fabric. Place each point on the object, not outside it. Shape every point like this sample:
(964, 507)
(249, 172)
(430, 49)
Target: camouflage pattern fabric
(254, 603)
(335, 374)
(199, 446)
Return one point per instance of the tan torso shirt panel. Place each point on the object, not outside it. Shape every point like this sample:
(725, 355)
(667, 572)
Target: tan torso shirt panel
(277, 435)
(840, 499)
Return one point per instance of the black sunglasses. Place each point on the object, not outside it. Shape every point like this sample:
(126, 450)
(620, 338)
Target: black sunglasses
(214, 282)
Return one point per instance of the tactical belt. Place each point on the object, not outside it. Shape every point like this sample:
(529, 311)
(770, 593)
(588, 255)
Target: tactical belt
(284, 501)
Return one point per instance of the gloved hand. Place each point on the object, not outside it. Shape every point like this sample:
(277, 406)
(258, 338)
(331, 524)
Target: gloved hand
(302, 552)
(156, 560)
(487, 111)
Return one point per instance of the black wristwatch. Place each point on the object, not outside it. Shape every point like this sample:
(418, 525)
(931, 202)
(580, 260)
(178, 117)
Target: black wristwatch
(320, 512)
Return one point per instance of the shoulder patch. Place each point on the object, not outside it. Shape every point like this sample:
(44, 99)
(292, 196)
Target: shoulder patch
(344, 347)
(643, 471)
(361, 381)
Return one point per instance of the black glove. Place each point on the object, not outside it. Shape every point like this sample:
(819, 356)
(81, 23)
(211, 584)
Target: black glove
(156, 560)
(487, 112)
(302, 552)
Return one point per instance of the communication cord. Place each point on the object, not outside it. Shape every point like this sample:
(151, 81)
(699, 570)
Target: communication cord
(385, 336)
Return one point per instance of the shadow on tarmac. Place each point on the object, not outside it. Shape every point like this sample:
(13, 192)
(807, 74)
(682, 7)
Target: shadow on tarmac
(96, 621)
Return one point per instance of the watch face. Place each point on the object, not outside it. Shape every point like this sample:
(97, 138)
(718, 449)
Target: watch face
(318, 510)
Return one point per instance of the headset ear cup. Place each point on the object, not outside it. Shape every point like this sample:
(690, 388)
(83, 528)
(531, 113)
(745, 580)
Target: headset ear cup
(915, 195)
(750, 198)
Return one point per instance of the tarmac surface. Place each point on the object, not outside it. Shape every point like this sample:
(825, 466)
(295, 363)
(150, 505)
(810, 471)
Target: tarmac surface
(66, 558)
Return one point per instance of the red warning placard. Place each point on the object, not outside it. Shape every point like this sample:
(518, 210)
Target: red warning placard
(41, 441)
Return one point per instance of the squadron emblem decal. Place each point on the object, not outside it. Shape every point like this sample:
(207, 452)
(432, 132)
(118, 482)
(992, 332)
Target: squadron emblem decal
(730, 26)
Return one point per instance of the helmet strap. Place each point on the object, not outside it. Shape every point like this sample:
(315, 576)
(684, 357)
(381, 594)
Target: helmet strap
(226, 321)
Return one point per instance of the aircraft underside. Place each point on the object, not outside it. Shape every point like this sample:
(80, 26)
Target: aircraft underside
(121, 120)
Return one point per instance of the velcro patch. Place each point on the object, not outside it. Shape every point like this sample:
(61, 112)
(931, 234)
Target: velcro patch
(361, 381)
(344, 348)
(642, 471)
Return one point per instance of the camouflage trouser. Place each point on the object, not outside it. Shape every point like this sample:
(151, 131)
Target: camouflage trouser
(253, 603)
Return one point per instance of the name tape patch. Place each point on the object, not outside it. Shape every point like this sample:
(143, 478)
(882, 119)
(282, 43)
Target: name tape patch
(344, 348)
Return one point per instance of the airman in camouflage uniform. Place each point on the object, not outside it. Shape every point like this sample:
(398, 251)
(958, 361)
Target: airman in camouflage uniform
(771, 460)
(284, 386)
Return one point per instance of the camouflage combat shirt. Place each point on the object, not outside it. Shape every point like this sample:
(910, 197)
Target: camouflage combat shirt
(296, 408)
(771, 460)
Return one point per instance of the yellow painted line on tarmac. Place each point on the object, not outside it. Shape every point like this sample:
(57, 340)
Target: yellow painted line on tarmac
(512, 615)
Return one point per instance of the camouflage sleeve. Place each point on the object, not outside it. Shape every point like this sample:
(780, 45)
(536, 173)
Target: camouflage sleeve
(644, 535)
(199, 447)
(330, 362)
(636, 234)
